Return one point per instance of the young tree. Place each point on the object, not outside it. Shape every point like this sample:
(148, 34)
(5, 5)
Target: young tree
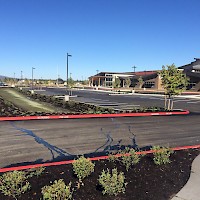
(85, 82)
(141, 81)
(174, 82)
(26, 82)
(71, 82)
(6, 80)
(127, 82)
(117, 83)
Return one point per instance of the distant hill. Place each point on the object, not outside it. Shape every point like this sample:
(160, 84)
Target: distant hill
(2, 77)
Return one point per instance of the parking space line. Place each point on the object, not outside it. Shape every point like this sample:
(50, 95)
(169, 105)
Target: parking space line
(181, 100)
(193, 102)
(99, 99)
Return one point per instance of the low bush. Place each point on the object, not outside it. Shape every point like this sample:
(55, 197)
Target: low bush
(112, 158)
(129, 157)
(161, 155)
(57, 191)
(83, 167)
(113, 182)
(149, 109)
(35, 172)
(14, 183)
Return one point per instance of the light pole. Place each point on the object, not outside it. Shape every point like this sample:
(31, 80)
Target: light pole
(32, 77)
(57, 76)
(21, 75)
(71, 84)
(67, 68)
(134, 68)
(14, 78)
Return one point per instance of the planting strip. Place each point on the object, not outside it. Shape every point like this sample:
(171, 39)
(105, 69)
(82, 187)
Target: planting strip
(85, 116)
(92, 159)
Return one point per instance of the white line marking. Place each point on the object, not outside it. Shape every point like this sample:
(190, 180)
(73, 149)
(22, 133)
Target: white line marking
(112, 103)
(155, 98)
(181, 100)
(99, 99)
(193, 102)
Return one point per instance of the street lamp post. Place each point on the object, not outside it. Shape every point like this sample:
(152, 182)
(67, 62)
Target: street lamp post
(32, 77)
(134, 67)
(14, 79)
(67, 68)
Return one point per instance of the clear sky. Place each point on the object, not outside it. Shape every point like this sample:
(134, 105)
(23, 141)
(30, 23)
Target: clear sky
(104, 35)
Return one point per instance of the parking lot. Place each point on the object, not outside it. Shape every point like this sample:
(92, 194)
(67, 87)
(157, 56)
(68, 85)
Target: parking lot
(39, 141)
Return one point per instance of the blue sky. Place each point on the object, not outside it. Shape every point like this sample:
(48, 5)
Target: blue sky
(104, 35)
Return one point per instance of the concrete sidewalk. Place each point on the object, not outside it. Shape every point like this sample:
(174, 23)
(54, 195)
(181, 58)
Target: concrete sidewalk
(190, 96)
(194, 95)
(191, 190)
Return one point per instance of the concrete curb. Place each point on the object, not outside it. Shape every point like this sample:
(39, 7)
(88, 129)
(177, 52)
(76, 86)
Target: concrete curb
(191, 189)
(86, 116)
(92, 159)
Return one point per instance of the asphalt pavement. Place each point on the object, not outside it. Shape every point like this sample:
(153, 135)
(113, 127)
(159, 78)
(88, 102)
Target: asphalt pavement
(125, 101)
(38, 141)
(50, 140)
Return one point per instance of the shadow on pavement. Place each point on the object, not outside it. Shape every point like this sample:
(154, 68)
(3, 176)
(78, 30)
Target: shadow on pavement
(60, 155)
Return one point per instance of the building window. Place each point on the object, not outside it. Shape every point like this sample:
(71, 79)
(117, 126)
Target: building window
(149, 84)
(108, 79)
(108, 75)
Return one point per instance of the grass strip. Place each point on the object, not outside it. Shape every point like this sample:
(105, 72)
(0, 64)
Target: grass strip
(23, 102)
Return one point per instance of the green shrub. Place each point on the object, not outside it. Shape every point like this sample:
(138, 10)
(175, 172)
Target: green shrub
(112, 183)
(57, 191)
(83, 167)
(28, 93)
(112, 158)
(131, 159)
(135, 157)
(161, 155)
(35, 172)
(14, 183)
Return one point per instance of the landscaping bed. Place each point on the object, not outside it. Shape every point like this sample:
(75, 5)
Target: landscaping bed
(11, 96)
(8, 109)
(11, 108)
(145, 180)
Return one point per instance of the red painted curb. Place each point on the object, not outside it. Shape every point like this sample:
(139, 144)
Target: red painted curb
(85, 116)
(92, 159)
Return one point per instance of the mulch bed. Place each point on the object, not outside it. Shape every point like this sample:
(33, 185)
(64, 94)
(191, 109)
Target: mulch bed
(146, 181)
(9, 109)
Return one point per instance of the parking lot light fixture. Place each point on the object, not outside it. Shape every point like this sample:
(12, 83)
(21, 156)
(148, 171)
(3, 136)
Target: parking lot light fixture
(32, 78)
(67, 69)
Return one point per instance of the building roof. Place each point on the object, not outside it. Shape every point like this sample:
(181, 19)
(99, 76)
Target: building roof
(141, 73)
(144, 73)
(191, 65)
